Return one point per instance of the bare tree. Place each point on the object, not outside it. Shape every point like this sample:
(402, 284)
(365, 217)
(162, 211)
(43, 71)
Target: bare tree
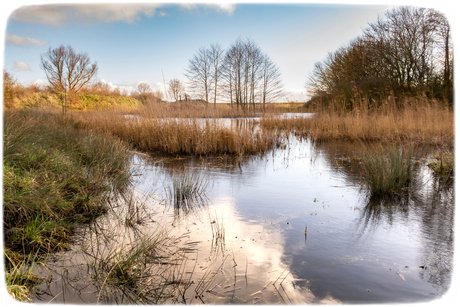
(242, 74)
(67, 70)
(249, 75)
(199, 73)
(444, 47)
(175, 88)
(216, 54)
(144, 93)
(143, 88)
(272, 88)
(234, 72)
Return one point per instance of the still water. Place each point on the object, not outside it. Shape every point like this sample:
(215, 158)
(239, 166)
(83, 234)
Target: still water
(294, 225)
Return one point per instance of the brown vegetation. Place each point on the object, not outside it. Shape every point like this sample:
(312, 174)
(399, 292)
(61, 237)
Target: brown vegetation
(185, 136)
(414, 120)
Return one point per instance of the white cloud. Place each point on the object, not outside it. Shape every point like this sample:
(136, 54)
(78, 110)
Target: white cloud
(39, 82)
(57, 15)
(226, 7)
(23, 41)
(61, 14)
(21, 66)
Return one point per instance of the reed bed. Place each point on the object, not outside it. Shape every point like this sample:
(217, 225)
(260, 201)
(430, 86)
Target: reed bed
(220, 110)
(179, 136)
(191, 110)
(415, 120)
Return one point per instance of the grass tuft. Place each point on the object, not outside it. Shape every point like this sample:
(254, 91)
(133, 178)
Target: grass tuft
(188, 188)
(20, 279)
(387, 172)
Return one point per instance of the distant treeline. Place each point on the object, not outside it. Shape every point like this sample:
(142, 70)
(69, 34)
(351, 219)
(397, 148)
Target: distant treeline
(405, 53)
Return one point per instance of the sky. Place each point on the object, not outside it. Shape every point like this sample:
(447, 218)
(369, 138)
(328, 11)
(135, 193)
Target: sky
(134, 43)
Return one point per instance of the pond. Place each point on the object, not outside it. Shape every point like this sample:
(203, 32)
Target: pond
(294, 225)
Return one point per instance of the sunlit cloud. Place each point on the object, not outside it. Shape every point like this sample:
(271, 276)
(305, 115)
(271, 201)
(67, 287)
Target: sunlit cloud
(21, 66)
(23, 41)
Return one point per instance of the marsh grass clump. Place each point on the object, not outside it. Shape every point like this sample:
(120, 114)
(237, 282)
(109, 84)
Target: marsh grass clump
(387, 172)
(188, 188)
(133, 210)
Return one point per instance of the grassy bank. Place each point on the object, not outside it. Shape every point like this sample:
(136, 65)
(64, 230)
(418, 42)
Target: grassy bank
(83, 102)
(54, 176)
(414, 120)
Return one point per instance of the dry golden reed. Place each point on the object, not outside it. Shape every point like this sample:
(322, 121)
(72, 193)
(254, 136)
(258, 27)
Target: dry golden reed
(185, 136)
(416, 120)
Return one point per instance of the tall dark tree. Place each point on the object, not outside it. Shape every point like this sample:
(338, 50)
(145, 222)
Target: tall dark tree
(408, 51)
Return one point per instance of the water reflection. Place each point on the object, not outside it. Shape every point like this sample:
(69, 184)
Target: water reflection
(292, 226)
(210, 255)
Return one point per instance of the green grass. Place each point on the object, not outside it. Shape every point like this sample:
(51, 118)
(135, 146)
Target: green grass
(387, 172)
(54, 176)
(20, 279)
